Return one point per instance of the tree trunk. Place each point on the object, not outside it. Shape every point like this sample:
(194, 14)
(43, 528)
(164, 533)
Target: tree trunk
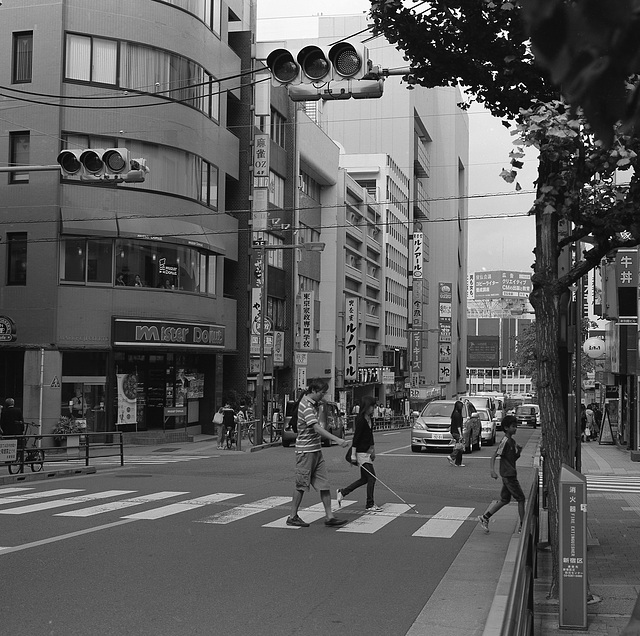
(545, 298)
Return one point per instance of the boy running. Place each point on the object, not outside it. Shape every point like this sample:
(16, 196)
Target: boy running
(507, 454)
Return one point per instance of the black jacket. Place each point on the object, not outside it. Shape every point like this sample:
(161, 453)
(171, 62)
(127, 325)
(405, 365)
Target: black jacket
(363, 435)
(11, 421)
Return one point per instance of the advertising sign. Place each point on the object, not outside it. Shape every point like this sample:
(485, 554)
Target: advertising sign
(7, 329)
(143, 333)
(483, 351)
(307, 320)
(127, 397)
(261, 155)
(502, 284)
(418, 254)
(351, 340)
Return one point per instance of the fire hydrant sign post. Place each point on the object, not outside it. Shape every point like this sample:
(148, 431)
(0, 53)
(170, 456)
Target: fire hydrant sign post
(573, 549)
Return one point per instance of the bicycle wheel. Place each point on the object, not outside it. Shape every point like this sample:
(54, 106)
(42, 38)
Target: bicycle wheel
(36, 458)
(251, 432)
(14, 469)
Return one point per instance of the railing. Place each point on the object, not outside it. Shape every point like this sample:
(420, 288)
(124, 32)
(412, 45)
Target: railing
(382, 423)
(517, 617)
(89, 446)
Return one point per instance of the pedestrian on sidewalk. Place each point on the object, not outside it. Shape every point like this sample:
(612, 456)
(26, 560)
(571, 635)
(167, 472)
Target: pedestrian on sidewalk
(311, 469)
(363, 453)
(455, 459)
(228, 422)
(506, 454)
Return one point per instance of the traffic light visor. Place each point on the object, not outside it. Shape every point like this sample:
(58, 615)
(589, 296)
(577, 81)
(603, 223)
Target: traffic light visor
(282, 66)
(345, 59)
(69, 162)
(92, 162)
(314, 63)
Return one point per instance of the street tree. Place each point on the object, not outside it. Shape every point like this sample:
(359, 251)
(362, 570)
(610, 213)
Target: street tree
(483, 45)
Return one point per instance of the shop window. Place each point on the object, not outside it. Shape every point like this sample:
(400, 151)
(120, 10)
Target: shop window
(17, 258)
(22, 68)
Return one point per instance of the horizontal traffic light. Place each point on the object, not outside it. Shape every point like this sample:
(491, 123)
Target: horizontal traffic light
(100, 165)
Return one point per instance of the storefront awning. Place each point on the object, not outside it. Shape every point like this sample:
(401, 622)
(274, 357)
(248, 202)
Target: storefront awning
(89, 222)
(167, 229)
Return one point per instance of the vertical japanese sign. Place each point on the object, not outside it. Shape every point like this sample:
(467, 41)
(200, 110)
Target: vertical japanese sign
(416, 351)
(278, 348)
(261, 155)
(256, 307)
(573, 549)
(418, 251)
(416, 303)
(307, 320)
(445, 312)
(351, 339)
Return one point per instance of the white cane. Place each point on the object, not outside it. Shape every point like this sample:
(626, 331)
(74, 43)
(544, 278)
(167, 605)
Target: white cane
(389, 489)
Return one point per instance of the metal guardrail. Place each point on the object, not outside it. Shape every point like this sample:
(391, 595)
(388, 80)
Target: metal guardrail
(90, 446)
(519, 607)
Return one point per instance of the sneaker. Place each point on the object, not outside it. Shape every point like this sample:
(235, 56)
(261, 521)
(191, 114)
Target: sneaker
(484, 522)
(339, 497)
(451, 461)
(374, 509)
(335, 522)
(296, 521)
(460, 465)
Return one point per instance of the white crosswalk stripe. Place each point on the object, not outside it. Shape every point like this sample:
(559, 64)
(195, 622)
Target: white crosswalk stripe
(246, 510)
(373, 521)
(118, 505)
(27, 500)
(445, 523)
(613, 483)
(138, 460)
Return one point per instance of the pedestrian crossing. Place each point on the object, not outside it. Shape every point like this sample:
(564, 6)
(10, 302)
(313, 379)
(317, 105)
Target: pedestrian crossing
(139, 460)
(153, 506)
(613, 483)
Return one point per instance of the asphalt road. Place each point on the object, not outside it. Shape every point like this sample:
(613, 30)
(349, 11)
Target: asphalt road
(114, 554)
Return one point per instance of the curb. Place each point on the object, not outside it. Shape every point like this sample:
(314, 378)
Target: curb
(48, 474)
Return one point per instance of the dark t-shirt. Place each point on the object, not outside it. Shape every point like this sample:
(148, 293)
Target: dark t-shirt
(508, 453)
(456, 424)
(227, 417)
(11, 421)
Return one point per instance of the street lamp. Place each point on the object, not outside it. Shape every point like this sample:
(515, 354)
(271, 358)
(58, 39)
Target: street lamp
(311, 246)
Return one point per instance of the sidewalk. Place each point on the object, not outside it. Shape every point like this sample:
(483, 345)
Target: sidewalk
(613, 551)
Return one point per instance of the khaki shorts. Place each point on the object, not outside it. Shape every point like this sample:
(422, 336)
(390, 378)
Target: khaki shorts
(311, 470)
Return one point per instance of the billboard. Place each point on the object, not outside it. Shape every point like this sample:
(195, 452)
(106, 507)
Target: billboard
(499, 284)
(483, 351)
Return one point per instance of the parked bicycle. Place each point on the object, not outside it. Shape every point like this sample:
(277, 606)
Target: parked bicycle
(29, 451)
(269, 433)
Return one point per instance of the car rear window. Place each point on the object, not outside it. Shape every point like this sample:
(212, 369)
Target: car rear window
(525, 410)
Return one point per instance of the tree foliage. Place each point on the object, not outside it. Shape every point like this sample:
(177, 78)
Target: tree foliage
(483, 45)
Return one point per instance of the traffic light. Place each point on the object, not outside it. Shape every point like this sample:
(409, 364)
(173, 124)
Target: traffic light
(100, 165)
(341, 71)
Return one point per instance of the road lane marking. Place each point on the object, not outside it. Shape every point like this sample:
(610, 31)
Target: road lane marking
(39, 495)
(182, 506)
(246, 510)
(373, 521)
(310, 514)
(445, 523)
(59, 503)
(62, 537)
(118, 505)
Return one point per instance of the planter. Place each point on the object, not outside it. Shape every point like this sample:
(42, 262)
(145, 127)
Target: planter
(73, 444)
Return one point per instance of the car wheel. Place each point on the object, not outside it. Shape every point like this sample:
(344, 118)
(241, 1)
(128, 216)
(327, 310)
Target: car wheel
(415, 449)
(286, 444)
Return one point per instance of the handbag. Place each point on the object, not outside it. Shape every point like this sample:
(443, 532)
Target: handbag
(218, 418)
(458, 445)
(348, 457)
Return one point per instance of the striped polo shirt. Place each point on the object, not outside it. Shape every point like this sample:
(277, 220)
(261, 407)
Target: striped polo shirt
(308, 440)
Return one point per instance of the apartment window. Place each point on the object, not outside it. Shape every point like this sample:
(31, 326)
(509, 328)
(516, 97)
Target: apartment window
(19, 155)
(276, 189)
(90, 59)
(17, 258)
(275, 258)
(22, 57)
(310, 186)
(278, 127)
(209, 184)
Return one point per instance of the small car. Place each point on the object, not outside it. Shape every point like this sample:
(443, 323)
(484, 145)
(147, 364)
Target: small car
(488, 424)
(330, 416)
(528, 414)
(431, 428)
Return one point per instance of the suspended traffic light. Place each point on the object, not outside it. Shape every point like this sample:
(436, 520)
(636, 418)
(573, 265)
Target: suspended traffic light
(341, 71)
(99, 165)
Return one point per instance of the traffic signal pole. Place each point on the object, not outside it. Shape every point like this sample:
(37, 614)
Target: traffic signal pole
(30, 168)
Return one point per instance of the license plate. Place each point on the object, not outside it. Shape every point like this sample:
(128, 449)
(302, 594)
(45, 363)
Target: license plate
(438, 436)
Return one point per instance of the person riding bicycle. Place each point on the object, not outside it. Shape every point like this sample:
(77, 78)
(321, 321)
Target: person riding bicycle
(228, 420)
(11, 419)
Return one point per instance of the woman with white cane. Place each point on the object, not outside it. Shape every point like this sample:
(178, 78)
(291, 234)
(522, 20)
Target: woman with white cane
(364, 451)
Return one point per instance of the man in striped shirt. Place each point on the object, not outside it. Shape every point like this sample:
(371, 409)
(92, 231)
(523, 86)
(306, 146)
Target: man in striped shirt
(311, 469)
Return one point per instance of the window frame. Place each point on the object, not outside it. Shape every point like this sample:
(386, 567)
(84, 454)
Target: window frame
(16, 241)
(14, 139)
(92, 69)
(18, 37)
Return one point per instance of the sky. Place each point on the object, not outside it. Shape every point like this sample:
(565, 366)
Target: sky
(501, 234)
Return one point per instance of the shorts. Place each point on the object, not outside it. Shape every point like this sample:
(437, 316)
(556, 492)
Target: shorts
(311, 470)
(511, 488)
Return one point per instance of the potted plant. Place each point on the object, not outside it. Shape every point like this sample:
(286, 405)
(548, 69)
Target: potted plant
(68, 430)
